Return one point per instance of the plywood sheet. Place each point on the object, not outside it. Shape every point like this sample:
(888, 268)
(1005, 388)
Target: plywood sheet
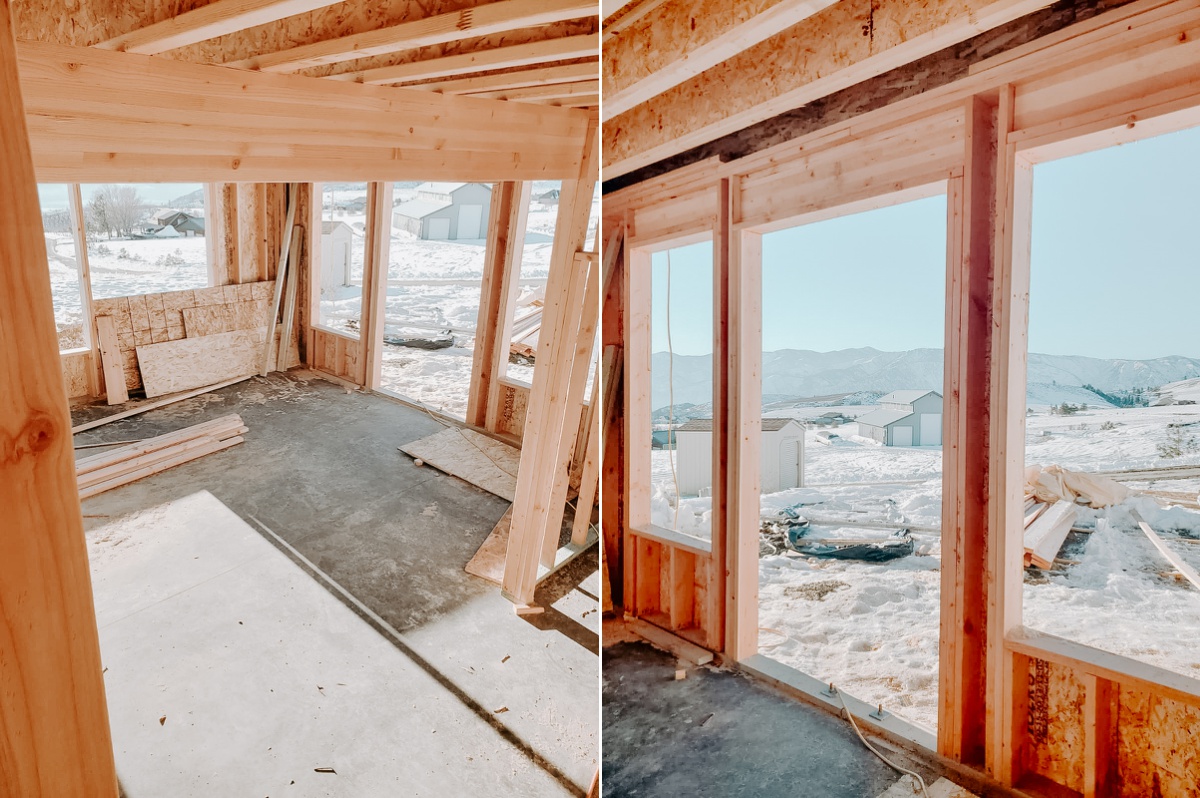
(485, 463)
(227, 317)
(196, 362)
(488, 562)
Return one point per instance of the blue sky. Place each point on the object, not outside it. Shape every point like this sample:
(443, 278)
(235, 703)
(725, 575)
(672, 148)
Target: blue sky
(1115, 269)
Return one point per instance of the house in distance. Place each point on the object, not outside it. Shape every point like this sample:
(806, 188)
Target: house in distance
(905, 418)
(445, 211)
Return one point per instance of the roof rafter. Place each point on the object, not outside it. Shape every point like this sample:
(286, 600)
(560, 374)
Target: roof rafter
(541, 76)
(551, 92)
(208, 22)
(468, 23)
(681, 38)
(517, 55)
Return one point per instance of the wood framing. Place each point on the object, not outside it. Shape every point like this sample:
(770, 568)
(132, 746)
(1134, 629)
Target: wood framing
(222, 124)
(54, 714)
(1116, 727)
(375, 275)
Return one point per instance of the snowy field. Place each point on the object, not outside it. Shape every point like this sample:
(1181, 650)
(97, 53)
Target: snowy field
(873, 628)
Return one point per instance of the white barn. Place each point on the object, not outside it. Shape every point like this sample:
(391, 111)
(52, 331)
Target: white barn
(446, 212)
(782, 456)
(337, 244)
(905, 418)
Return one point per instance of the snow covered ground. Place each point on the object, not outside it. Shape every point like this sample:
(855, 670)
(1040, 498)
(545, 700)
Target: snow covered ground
(873, 629)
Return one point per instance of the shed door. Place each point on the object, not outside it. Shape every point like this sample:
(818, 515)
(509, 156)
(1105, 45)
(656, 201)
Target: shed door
(931, 429)
(438, 228)
(902, 436)
(469, 217)
(789, 464)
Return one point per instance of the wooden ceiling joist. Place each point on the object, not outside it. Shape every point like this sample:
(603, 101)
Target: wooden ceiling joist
(681, 38)
(823, 54)
(192, 122)
(517, 55)
(541, 76)
(585, 101)
(483, 20)
(546, 92)
(218, 18)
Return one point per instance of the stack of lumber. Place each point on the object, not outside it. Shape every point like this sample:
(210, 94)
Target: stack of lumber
(130, 463)
(1046, 527)
(527, 326)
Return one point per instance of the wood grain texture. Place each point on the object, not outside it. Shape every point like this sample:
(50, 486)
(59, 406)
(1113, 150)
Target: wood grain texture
(53, 713)
(195, 362)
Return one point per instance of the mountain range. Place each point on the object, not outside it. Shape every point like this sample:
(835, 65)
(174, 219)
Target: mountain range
(796, 373)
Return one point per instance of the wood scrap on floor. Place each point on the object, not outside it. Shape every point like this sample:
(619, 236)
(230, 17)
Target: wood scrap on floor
(488, 562)
(472, 457)
(101, 472)
(147, 406)
(1046, 533)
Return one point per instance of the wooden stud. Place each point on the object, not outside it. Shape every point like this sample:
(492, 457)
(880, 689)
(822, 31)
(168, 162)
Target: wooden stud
(375, 276)
(282, 360)
(1100, 747)
(280, 277)
(79, 236)
(53, 711)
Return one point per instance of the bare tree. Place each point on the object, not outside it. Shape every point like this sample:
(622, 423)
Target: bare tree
(115, 209)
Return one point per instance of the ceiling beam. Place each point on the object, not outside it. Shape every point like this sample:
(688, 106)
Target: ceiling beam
(482, 20)
(208, 22)
(682, 38)
(551, 92)
(517, 55)
(778, 75)
(200, 123)
(542, 76)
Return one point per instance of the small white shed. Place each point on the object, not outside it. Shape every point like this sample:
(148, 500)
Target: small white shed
(337, 244)
(782, 465)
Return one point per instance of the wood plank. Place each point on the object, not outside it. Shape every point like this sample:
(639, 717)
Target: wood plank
(524, 78)
(195, 362)
(482, 20)
(672, 644)
(86, 465)
(549, 91)
(280, 278)
(682, 38)
(1189, 573)
(287, 338)
(183, 457)
(79, 237)
(1045, 536)
(146, 407)
(375, 275)
(488, 561)
(53, 712)
(1100, 757)
(208, 22)
(517, 55)
(472, 457)
(116, 472)
(110, 359)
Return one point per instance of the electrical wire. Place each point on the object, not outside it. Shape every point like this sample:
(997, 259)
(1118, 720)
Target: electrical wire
(873, 749)
(671, 439)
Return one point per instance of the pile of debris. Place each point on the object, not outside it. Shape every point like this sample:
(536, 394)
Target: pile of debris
(1052, 496)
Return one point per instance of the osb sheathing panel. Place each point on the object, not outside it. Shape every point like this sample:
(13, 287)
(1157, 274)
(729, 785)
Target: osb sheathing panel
(1158, 747)
(514, 402)
(793, 67)
(86, 22)
(669, 34)
(76, 367)
(1055, 724)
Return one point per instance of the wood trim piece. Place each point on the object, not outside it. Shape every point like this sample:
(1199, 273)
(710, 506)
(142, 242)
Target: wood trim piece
(517, 55)
(53, 712)
(469, 23)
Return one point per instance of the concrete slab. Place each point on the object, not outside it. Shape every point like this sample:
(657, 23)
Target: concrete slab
(243, 676)
(321, 468)
(718, 732)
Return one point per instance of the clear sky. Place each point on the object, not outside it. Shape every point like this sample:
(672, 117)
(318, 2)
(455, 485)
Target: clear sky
(53, 196)
(1115, 266)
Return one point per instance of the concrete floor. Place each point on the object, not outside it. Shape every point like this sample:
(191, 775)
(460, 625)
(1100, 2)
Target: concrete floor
(719, 733)
(320, 468)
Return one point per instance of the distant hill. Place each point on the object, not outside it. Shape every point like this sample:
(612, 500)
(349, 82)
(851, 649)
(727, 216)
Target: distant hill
(803, 373)
(193, 200)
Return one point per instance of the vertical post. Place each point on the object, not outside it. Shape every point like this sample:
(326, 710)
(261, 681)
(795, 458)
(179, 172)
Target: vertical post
(718, 570)
(1100, 710)
(375, 277)
(637, 297)
(743, 425)
(79, 231)
(970, 226)
(212, 237)
(252, 265)
(52, 706)
(1009, 353)
(315, 243)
